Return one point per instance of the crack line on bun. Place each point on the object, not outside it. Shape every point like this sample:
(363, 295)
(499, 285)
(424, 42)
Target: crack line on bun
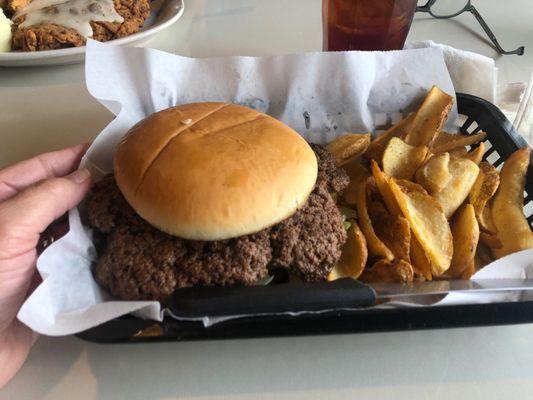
(188, 126)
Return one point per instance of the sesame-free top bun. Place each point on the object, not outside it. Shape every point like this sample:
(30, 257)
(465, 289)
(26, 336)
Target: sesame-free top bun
(213, 171)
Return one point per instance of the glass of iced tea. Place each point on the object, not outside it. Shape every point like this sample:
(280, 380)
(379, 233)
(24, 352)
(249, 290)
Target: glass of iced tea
(366, 24)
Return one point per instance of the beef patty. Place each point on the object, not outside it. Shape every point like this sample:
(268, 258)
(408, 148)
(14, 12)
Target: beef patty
(139, 262)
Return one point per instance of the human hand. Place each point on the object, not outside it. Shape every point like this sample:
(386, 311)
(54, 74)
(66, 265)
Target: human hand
(33, 193)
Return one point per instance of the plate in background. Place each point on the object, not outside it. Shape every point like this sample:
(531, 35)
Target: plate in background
(163, 14)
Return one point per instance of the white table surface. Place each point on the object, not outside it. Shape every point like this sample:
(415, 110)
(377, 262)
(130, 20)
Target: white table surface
(48, 108)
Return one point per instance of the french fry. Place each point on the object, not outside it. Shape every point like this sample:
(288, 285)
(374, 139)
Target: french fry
(430, 118)
(385, 271)
(465, 233)
(348, 147)
(353, 257)
(463, 175)
(377, 146)
(507, 211)
(384, 188)
(392, 230)
(482, 191)
(428, 223)
(419, 259)
(401, 160)
(434, 175)
(476, 155)
(452, 141)
(376, 248)
(357, 173)
(490, 239)
(486, 222)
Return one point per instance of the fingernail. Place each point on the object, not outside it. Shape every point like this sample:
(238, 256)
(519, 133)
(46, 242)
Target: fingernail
(79, 176)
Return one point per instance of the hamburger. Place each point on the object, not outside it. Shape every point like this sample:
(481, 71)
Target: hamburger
(214, 194)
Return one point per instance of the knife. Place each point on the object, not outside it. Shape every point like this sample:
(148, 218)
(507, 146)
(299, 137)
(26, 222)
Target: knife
(300, 297)
(392, 291)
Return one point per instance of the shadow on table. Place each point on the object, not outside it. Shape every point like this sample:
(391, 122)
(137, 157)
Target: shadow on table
(47, 365)
(288, 365)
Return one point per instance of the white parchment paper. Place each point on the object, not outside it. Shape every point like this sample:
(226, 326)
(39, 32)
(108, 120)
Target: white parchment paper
(321, 95)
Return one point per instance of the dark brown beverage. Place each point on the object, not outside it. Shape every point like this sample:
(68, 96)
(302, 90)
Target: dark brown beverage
(366, 24)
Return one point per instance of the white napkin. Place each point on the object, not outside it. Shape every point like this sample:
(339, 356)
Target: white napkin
(471, 73)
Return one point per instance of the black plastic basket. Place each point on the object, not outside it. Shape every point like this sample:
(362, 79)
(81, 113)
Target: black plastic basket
(501, 141)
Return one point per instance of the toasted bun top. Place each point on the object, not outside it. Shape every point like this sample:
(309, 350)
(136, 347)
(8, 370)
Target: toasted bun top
(213, 171)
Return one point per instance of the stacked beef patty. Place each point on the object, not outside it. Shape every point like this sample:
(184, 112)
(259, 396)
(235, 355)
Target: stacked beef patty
(140, 262)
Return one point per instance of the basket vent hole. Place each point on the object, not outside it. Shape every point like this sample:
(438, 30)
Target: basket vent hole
(473, 127)
(493, 158)
(528, 209)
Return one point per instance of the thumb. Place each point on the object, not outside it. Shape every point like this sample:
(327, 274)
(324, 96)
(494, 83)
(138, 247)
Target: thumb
(25, 216)
(22, 219)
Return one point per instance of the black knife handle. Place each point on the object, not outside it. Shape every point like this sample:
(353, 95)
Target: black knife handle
(197, 302)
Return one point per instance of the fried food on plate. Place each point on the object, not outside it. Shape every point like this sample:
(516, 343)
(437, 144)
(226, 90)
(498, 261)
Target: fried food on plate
(354, 255)
(465, 232)
(430, 118)
(512, 227)
(49, 35)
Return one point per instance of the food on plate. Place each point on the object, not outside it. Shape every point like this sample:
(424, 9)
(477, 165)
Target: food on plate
(476, 155)
(430, 118)
(385, 271)
(454, 141)
(511, 225)
(434, 209)
(214, 194)
(348, 147)
(56, 24)
(482, 191)
(357, 172)
(428, 223)
(378, 145)
(465, 232)
(5, 32)
(354, 255)
(401, 160)
(393, 230)
(434, 175)
(376, 247)
(463, 175)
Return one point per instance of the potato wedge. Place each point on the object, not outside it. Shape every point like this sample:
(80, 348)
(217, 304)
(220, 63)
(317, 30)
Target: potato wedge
(486, 222)
(353, 257)
(419, 259)
(452, 141)
(483, 256)
(347, 147)
(507, 209)
(483, 189)
(376, 248)
(382, 182)
(357, 173)
(434, 175)
(465, 233)
(490, 239)
(476, 155)
(463, 175)
(377, 146)
(401, 160)
(460, 152)
(392, 230)
(430, 118)
(356, 170)
(428, 224)
(385, 271)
